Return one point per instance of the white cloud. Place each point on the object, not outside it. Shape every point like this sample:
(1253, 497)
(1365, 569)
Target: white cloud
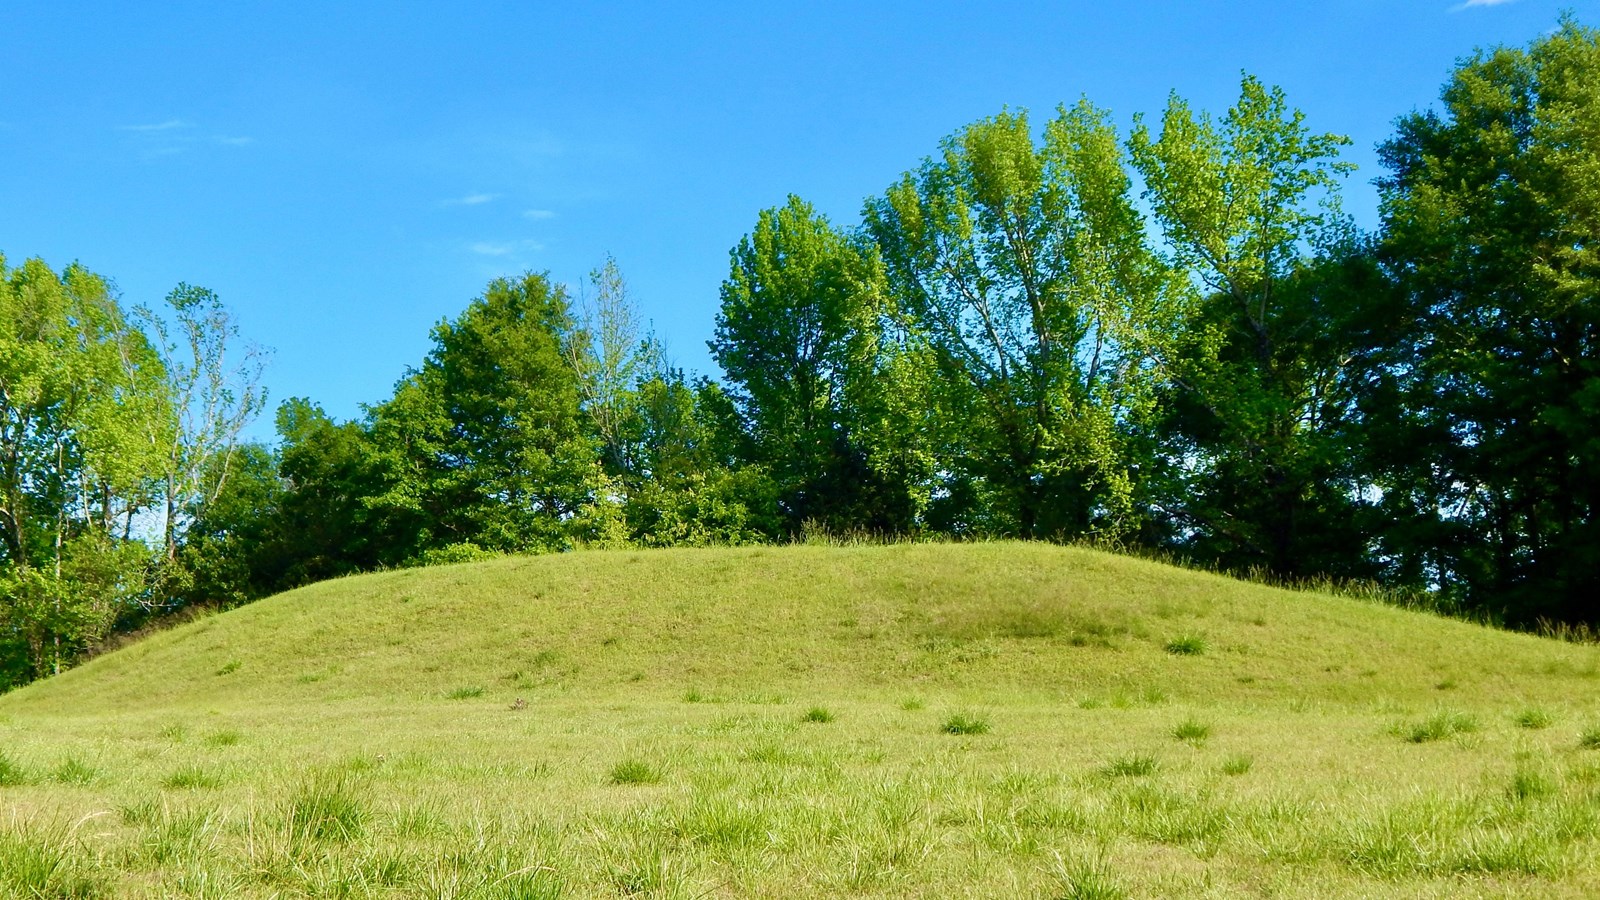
(1471, 3)
(504, 248)
(168, 125)
(537, 214)
(472, 200)
(171, 137)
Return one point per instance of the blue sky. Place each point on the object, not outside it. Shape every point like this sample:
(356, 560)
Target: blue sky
(344, 175)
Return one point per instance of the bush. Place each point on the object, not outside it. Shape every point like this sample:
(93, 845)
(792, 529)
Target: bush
(455, 553)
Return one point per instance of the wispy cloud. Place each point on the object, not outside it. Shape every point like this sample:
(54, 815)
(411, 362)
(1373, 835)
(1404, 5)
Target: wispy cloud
(539, 214)
(168, 125)
(472, 200)
(503, 248)
(173, 136)
(1469, 4)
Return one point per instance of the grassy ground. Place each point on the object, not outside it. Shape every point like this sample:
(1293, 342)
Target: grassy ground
(999, 720)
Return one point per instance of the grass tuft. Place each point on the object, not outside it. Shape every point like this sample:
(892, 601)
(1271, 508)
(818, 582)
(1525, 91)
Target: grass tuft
(1192, 732)
(1237, 764)
(818, 715)
(73, 771)
(467, 692)
(965, 723)
(1081, 879)
(1534, 718)
(1187, 645)
(227, 737)
(1439, 726)
(635, 771)
(326, 807)
(11, 772)
(44, 866)
(1137, 765)
(1530, 784)
(1590, 738)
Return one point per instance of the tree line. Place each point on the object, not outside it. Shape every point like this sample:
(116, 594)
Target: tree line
(1171, 338)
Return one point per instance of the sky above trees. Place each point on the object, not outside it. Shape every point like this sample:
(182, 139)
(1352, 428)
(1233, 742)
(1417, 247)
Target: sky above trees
(345, 177)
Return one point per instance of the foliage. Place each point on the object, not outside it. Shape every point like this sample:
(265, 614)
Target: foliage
(800, 336)
(1256, 364)
(485, 443)
(1489, 401)
(1012, 266)
(81, 393)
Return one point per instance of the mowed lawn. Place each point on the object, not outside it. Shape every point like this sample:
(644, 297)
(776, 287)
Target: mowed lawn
(981, 720)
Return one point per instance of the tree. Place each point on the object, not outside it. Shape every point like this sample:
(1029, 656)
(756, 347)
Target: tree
(799, 336)
(82, 392)
(611, 354)
(1014, 267)
(1491, 396)
(1258, 377)
(213, 397)
(686, 484)
(485, 444)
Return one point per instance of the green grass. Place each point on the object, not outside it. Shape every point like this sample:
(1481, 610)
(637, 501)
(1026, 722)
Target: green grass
(1137, 765)
(1534, 718)
(1237, 764)
(73, 771)
(817, 715)
(1192, 732)
(327, 806)
(965, 723)
(1439, 726)
(11, 772)
(635, 771)
(655, 754)
(1187, 645)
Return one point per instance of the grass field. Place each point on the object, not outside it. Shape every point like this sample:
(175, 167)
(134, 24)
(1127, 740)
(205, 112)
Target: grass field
(990, 720)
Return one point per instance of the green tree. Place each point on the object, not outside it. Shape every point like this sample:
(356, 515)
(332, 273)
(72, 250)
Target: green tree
(81, 393)
(686, 484)
(1258, 375)
(1490, 399)
(485, 444)
(611, 354)
(1014, 268)
(799, 335)
(215, 390)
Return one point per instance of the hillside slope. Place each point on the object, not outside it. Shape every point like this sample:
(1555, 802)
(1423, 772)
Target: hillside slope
(788, 710)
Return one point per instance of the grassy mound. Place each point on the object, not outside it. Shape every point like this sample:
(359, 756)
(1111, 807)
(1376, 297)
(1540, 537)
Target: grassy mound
(923, 720)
